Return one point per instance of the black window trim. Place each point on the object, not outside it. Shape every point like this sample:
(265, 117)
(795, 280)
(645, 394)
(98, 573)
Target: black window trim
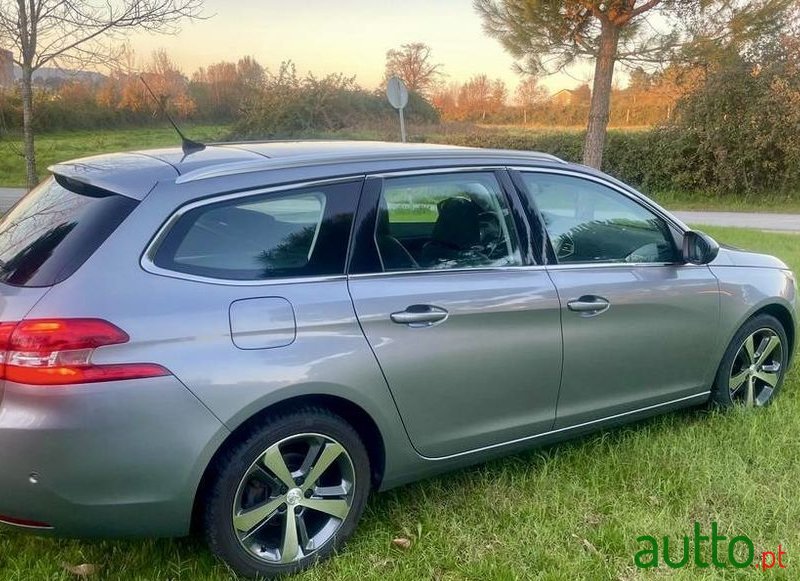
(364, 256)
(146, 261)
(676, 229)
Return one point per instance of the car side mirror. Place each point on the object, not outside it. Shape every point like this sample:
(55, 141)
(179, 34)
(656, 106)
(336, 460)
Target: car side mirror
(699, 247)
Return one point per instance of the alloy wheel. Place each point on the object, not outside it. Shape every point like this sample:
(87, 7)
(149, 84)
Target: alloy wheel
(757, 368)
(294, 498)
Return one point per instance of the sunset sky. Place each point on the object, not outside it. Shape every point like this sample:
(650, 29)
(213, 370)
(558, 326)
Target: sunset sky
(348, 36)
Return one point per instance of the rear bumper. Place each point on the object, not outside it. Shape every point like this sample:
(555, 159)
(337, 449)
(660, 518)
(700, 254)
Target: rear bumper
(105, 459)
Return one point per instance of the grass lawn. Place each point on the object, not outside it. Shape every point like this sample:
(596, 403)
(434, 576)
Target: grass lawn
(55, 147)
(571, 511)
(703, 201)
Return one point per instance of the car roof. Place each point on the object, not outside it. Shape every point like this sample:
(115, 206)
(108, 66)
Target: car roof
(135, 174)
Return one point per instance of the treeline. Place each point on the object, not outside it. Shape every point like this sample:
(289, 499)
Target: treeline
(255, 101)
(263, 103)
(649, 99)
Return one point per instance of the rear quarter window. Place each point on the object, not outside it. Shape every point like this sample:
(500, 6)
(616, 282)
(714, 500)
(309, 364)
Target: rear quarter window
(303, 232)
(53, 230)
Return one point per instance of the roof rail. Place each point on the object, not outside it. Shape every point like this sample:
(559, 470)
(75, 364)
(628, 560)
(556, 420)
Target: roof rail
(251, 166)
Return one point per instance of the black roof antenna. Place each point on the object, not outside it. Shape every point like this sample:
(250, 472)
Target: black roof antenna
(187, 145)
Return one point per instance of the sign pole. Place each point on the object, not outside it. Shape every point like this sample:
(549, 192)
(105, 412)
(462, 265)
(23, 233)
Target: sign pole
(402, 124)
(397, 94)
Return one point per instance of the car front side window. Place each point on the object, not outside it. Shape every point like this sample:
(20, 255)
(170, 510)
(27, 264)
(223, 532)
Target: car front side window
(588, 222)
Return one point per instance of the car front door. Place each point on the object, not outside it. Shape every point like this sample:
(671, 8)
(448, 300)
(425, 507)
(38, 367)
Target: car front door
(638, 324)
(466, 330)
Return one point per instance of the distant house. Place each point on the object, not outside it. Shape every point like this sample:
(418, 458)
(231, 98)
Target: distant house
(563, 98)
(6, 68)
(568, 97)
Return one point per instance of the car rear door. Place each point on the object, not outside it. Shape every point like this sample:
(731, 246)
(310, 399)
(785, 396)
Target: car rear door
(638, 324)
(465, 326)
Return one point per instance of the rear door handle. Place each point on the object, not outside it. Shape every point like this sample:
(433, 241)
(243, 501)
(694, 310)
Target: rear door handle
(420, 316)
(589, 305)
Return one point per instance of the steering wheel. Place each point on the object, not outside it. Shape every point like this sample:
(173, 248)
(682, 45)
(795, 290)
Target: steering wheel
(564, 246)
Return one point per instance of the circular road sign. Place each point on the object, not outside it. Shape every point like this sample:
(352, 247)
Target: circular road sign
(397, 93)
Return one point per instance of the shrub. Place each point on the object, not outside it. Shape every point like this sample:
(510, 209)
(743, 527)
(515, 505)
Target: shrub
(293, 106)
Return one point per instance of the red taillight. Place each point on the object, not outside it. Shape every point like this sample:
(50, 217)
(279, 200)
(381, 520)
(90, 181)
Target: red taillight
(59, 352)
(21, 522)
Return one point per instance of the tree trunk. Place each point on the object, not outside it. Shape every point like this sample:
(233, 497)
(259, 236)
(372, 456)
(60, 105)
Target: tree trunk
(601, 96)
(27, 126)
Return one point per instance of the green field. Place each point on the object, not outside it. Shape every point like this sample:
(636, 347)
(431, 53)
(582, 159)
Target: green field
(55, 147)
(571, 511)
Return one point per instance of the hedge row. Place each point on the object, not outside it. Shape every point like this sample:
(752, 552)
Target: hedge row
(656, 160)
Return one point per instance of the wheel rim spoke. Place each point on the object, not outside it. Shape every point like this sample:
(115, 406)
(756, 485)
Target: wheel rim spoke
(329, 454)
(738, 380)
(290, 546)
(305, 540)
(765, 351)
(333, 507)
(337, 491)
(751, 391)
(249, 520)
(273, 460)
(314, 449)
(750, 349)
(770, 379)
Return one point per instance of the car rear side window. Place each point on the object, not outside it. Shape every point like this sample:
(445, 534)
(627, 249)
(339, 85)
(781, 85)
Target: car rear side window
(303, 232)
(53, 230)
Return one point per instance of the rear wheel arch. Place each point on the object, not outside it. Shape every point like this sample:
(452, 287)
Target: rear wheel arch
(352, 413)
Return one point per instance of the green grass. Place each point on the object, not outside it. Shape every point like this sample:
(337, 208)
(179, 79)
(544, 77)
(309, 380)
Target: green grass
(571, 511)
(62, 146)
(705, 201)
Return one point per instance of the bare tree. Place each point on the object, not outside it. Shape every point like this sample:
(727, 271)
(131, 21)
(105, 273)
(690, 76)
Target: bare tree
(76, 33)
(412, 63)
(528, 95)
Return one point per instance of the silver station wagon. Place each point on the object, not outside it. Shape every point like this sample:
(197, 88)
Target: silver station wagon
(247, 339)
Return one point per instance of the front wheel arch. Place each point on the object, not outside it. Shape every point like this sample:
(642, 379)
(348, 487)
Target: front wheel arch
(763, 320)
(785, 318)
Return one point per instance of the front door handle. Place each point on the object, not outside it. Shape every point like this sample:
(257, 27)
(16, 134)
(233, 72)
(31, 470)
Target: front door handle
(589, 305)
(420, 316)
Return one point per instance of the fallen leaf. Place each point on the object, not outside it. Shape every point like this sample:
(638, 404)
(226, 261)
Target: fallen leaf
(590, 547)
(402, 543)
(84, 570)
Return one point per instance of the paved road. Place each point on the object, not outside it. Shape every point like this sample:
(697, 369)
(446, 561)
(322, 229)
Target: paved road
(779, 222)
(8, 196)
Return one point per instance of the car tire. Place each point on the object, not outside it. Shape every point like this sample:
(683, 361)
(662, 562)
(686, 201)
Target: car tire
(743, 378)
(250, 485)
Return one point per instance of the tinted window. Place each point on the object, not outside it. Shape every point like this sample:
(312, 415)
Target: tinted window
(589, 222)
(445, 221)
(53, 230)
(295, 233)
